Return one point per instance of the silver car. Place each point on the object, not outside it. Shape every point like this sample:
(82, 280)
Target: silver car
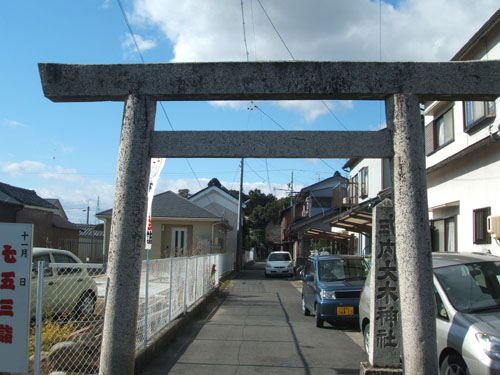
(467, 290)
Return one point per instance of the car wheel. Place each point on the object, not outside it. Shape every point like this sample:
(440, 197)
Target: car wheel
(366, 338)
(85, 305)
(453, 365)
(319, 321)
(305, 310)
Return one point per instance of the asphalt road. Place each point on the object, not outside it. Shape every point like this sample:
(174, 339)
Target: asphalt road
(257, 327)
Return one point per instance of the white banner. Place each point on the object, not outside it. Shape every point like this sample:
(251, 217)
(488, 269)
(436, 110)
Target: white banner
(15, 275)
(156, 167)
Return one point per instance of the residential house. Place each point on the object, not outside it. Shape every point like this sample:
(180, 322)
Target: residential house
(219, 201)
(18, 205)
(369, 183)
(57, 203)
(463, 159)
(303, 224)
(180, 228)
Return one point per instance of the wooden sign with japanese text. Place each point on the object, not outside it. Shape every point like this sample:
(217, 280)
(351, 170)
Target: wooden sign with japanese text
(15, 275)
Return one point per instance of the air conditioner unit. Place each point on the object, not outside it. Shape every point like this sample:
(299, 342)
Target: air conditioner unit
(493, 226)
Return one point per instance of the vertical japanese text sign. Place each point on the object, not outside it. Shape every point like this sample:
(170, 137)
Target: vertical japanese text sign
(385, 318)
(15, 275)
(156, 167)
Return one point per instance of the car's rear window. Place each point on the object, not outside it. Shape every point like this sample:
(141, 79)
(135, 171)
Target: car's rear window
(279, 257)
(342, 269)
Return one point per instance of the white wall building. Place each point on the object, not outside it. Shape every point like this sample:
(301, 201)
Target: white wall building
(368, 180)
(463, 159)
(220, 202)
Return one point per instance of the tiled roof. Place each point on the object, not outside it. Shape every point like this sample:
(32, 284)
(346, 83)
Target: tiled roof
(171, 205)
(12, 194)
(91, 230)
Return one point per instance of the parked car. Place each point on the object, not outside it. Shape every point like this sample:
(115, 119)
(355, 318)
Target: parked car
(67, 289)
(467, 291)
(279, 263)
(331, 286)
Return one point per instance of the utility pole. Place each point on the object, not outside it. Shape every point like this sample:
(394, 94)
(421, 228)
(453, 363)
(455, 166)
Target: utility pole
(239, 238)
(88, 211)
(292, 203)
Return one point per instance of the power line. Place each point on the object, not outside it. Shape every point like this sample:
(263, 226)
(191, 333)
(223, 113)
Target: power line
(276, 30)
(269, 117)
(244, 31)
(293, 58)
(333, 114)
(130, 30)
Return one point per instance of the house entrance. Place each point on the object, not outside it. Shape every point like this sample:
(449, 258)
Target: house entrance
(179, 242)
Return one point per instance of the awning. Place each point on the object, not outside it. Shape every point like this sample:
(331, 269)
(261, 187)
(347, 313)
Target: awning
(326, 235)
(357, 220)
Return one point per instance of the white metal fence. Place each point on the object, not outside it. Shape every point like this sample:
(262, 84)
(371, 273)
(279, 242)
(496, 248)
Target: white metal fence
(69, 302)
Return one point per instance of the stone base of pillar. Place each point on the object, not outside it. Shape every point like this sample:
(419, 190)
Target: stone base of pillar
(367, 369)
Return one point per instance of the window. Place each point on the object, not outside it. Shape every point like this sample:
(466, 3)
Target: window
(481, 235)
(386, 174)
(443, 234)
(363, 182)
(353, 190)
(41, 258)
(439, 133)
(441, 311)
(309, 268)
(62, 258)
(475, 113)
(322, 202)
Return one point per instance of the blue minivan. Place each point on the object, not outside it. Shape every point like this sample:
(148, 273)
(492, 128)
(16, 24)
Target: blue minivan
(331, 286)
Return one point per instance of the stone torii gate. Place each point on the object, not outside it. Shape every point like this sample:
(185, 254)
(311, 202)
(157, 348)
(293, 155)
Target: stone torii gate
(402, 85)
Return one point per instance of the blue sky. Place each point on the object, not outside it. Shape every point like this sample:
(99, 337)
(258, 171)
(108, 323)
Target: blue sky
(69, 150)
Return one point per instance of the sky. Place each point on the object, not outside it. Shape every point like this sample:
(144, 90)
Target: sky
(69, 151)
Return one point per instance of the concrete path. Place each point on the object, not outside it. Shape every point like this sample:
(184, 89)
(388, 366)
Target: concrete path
(258, 328)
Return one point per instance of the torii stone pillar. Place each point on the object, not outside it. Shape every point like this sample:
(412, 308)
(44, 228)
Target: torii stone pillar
(127, 235)
(413, 245)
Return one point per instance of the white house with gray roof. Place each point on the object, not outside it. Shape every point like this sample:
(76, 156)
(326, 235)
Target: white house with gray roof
(180, 228)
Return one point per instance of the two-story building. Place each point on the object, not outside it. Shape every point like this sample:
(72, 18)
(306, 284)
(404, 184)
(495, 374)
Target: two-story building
(303, 223)
(369, 183)
(463, 159)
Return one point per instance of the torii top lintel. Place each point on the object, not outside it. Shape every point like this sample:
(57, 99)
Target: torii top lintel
(297, 80)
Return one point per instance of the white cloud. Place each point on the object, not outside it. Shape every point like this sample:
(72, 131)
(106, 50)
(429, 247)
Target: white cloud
(56, 173)
(75, 199)
(129, 46)
(105, 4)
(310, 110)
(212, 30)
(24, 167)
(348, 30)
(14, 123)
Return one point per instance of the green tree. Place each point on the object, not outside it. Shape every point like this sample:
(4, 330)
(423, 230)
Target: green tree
(184, 193)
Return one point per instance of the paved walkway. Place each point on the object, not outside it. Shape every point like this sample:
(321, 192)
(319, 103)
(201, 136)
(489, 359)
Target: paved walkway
(258, 328)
